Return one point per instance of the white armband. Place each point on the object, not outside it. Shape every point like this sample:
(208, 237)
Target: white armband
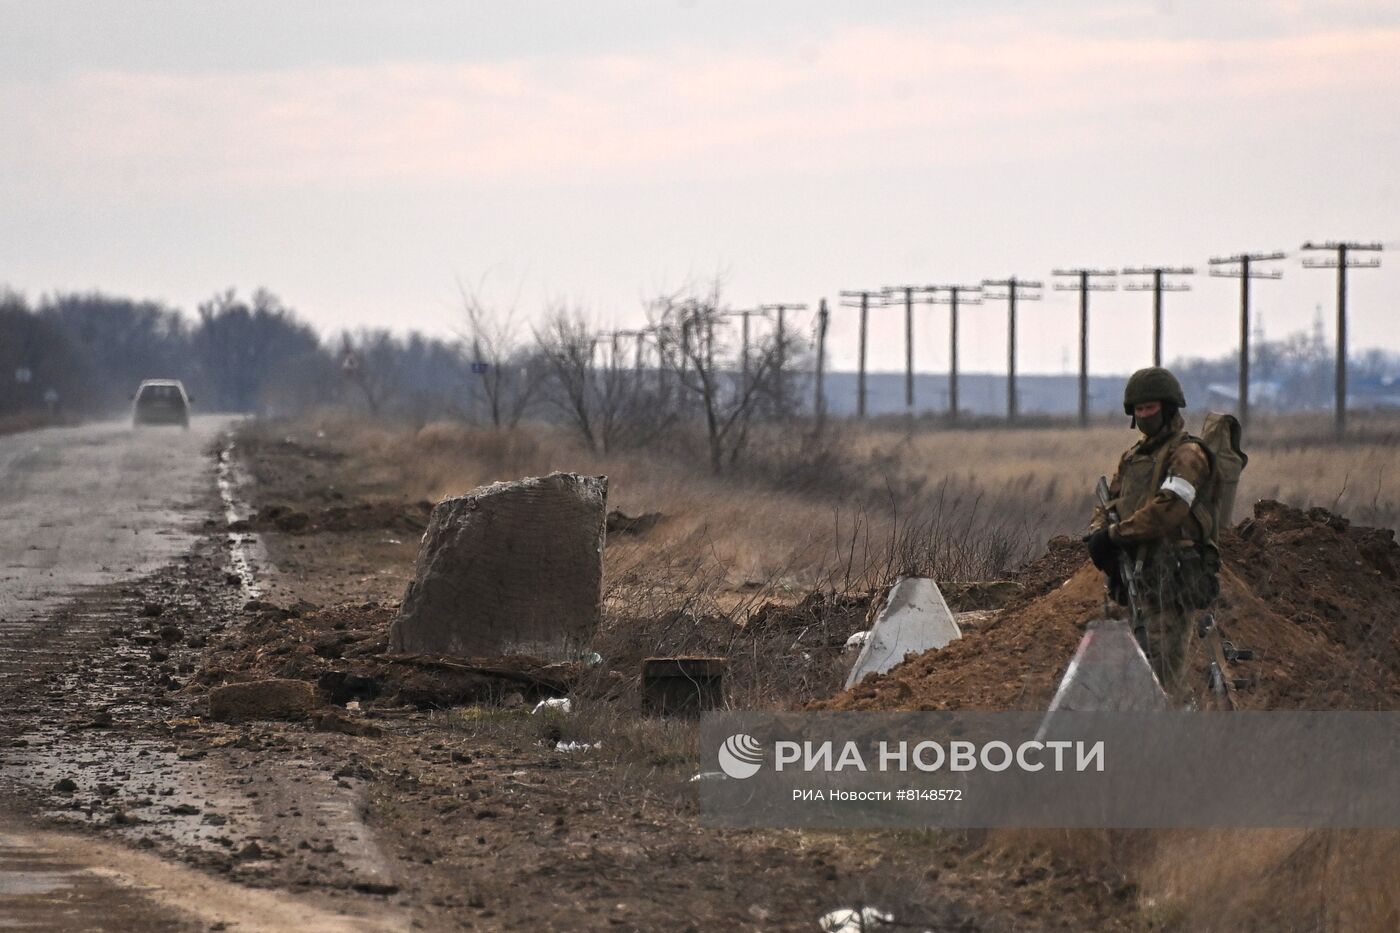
(1180, 488)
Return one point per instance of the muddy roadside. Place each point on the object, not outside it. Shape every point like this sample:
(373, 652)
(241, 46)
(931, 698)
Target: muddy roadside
(485, 819)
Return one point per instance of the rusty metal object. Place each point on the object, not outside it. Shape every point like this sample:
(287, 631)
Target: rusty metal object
(682, 686)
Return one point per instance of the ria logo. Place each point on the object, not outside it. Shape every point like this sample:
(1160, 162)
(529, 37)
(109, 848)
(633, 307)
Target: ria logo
(740, 756)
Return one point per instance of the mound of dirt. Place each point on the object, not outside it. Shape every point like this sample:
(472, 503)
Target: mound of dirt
(1316, 598)
(344, 650)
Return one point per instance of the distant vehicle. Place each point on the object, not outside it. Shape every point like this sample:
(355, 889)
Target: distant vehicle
(160, 401)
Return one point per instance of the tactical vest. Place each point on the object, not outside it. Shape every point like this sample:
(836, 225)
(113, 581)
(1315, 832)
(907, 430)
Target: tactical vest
(1141, 474)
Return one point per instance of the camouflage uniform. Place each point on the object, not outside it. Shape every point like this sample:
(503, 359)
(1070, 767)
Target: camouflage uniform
(1163, 488)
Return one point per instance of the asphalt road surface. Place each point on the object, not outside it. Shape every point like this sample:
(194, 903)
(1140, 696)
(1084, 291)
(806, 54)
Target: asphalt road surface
(97, 504)
(83, 507)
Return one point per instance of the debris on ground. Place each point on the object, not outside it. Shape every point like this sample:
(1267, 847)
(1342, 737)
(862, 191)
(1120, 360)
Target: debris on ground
(343, 652)
(562, 705)
(855, 920)
(513, 567)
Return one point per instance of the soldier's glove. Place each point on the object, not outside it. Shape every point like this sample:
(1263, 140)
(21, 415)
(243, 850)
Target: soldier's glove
(1102, 551)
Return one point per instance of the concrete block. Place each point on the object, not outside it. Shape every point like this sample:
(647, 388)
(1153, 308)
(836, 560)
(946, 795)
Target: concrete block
(1109, 673)
(262, 699)
(508, 568)
(914, 619)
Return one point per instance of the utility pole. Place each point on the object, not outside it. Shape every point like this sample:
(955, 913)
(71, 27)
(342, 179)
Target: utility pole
(686, 323)
(1342, 263)
(1013, 294)
(849, 300)
(779, 311)
(1084, 287)
(1159, 285)
(908, 291)
(641, 336)
(709, 346)
(1245, 272)
(954, 299)
(614, 348)
(744, 340)
(822, 317)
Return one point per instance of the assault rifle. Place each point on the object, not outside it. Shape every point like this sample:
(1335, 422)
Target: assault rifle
(1129, 570)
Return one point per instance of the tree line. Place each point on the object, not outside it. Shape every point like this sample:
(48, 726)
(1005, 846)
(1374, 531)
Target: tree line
(694, 375)
(83, 355)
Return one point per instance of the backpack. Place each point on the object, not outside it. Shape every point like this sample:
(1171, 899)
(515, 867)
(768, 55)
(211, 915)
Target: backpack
(1221, 435)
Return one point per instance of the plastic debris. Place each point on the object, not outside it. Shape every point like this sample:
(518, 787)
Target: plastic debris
(857, 640)
(556, 704)
(592, 659)
(850, 920)
(709, 776)
(576, 746)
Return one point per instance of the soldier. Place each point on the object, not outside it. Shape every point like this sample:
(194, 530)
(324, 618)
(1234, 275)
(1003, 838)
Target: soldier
(1165, 487)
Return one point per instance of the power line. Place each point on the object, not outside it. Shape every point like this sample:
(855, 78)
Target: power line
(1084, 286)
(1245, 272)
(1013, 294)
(1159, 285)
(1342, 263)
(954, 299)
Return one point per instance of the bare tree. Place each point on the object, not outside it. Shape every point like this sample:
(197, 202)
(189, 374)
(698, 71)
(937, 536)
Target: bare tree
(730, 390)
(370, 361)
(509, 376)
(567, 345)
(608, 399)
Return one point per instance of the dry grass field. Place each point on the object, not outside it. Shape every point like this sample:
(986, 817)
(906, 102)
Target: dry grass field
(867, 501)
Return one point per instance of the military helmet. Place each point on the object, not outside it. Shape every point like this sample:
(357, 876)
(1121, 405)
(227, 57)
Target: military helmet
(1153, 384)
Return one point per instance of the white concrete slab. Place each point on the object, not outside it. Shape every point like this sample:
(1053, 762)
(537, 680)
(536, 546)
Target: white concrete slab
(915, 619)
(1109, 673)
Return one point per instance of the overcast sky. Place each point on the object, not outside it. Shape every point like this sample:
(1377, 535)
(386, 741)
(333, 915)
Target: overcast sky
(359, 159)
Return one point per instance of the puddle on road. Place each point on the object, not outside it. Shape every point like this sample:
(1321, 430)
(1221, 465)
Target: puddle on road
(244, 549)
(215, 802)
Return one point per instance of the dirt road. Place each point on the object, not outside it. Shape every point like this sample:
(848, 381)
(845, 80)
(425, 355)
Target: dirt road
(89, 516)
